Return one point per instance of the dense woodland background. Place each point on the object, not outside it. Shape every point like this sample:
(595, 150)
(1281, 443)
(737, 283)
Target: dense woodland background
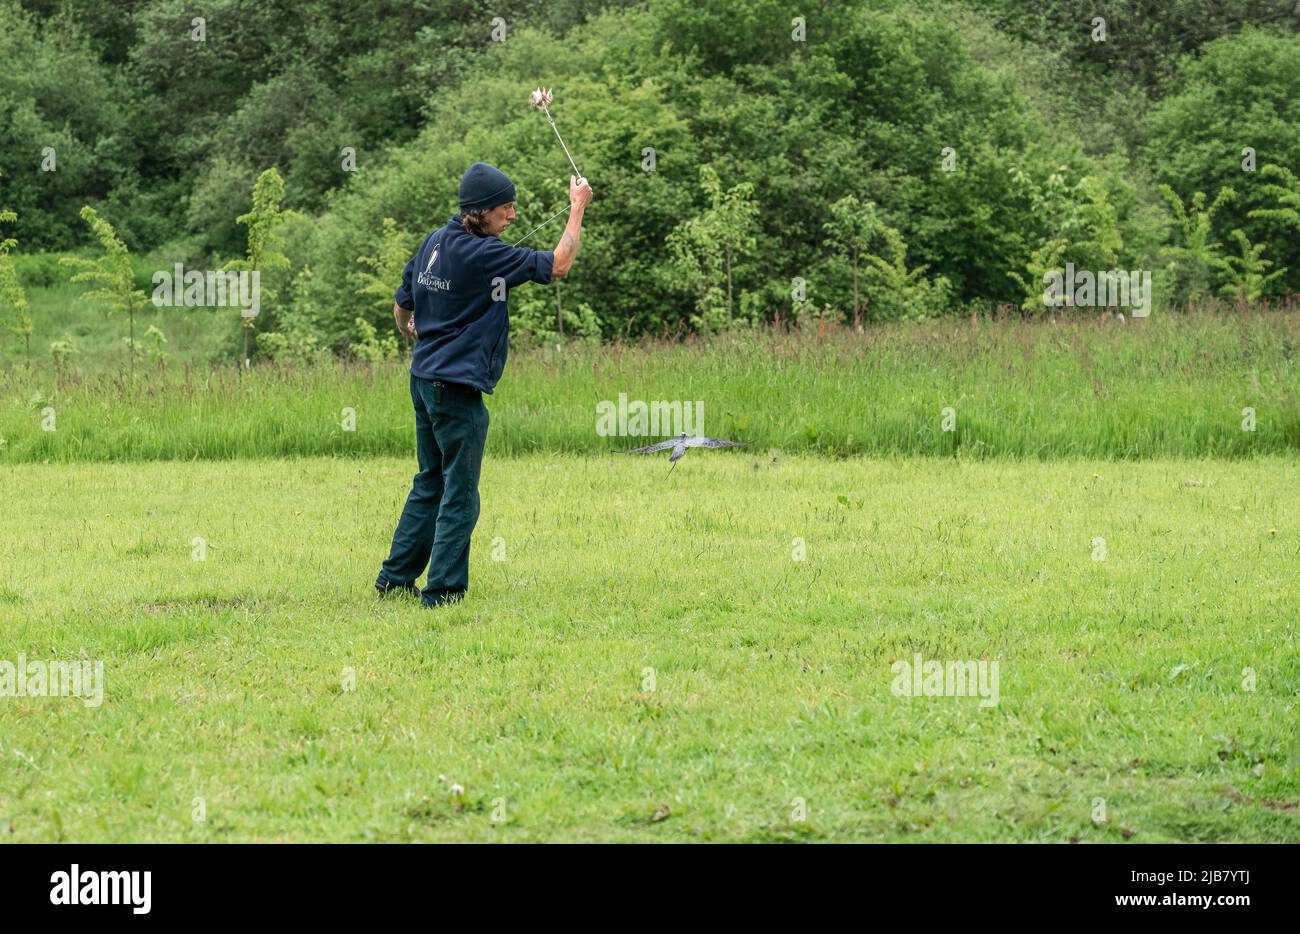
(784, 171)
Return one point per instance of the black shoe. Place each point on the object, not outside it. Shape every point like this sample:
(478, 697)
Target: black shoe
(384, 588)
(443, 599)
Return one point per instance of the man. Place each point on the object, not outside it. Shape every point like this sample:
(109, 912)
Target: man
(453, 301)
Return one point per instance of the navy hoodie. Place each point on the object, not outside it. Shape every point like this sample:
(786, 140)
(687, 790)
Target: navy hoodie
(458, 284)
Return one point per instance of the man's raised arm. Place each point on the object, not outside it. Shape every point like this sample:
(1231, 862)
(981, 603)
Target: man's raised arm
(566, 251)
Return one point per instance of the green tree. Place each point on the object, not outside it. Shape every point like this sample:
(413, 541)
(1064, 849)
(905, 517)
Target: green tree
(853, 225)
(1241, 92)
(1046, 259)
(1245, 276)
(902, 294)
(67, 134)
(865, 105)
(111, 275)
(12, 295)
(365, 343)
(383, 271)
(695, 258)
(1287, 192)
(263, 254)
(1197, 256)
(707, 248)
(1080, 225)
(297, 336)
(1145, 39)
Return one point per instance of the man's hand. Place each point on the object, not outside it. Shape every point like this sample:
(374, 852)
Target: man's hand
(405, 321)
(580, 193)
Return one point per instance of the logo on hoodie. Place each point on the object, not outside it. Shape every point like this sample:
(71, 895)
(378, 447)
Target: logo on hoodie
(428, 279)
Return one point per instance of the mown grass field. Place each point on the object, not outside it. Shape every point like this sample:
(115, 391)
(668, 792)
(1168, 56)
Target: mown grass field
(1120, 679)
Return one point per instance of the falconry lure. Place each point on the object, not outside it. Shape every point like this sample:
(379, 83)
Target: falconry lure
(541, 100)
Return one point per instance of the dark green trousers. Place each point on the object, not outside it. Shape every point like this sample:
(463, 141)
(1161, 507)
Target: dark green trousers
(451, 424)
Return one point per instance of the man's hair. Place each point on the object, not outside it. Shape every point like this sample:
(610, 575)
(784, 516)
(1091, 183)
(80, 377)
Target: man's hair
(475, 222)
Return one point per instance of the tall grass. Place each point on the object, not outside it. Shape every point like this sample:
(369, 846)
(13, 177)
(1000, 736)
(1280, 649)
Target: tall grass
(1169, 385)
(60, 313)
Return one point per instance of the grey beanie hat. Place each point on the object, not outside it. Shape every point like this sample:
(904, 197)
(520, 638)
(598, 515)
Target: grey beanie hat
(483, 187)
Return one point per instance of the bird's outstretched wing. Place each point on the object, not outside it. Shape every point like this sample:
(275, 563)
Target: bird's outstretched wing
(716, 443)
(651, 448)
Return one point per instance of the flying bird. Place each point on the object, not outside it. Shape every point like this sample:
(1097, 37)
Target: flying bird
(680, 444)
